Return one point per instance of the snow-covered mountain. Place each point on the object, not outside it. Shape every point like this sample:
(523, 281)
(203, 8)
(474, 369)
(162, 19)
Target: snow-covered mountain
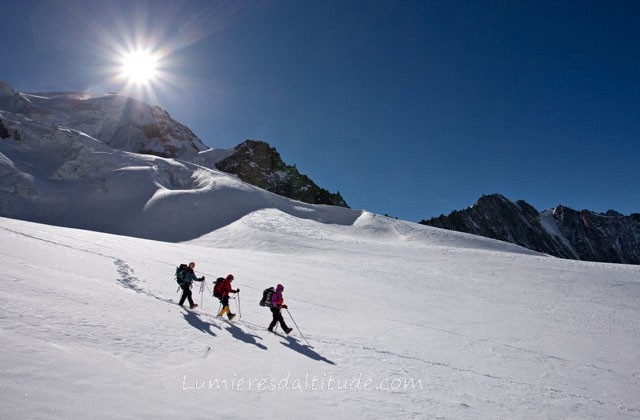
(118, 121)
(129, 125)
(98, 163)
(561, 231)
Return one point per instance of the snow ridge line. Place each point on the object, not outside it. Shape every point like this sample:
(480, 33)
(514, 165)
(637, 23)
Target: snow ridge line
(483, 374)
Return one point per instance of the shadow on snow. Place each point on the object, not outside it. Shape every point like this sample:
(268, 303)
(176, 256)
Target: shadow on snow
(194, 320)
(303, 349)
(237, 333)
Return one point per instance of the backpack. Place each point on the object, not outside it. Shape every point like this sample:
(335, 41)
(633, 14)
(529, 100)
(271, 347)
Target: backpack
(180, 271)
(266, 297)
(217, 288)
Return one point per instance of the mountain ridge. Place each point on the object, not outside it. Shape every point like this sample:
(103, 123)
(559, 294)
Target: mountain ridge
(561, 231)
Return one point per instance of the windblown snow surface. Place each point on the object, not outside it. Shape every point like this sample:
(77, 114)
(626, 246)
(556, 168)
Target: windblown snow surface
(402, 321)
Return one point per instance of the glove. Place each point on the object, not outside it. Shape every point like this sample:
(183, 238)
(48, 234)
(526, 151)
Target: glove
(284, 306)
(202, 278)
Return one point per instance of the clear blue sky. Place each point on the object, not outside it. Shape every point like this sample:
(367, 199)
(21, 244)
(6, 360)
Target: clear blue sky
(411, 108)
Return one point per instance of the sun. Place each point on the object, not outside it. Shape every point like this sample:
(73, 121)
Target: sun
(139, 67)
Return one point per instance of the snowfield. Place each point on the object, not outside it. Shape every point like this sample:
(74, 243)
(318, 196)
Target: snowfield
(403, 321)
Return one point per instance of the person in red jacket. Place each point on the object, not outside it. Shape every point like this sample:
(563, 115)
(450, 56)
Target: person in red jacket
(277, 302)
(225, 289)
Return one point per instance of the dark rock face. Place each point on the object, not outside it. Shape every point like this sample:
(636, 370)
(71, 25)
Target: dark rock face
(562, 232)
(4, 132)
(259, 164)
(608, 237)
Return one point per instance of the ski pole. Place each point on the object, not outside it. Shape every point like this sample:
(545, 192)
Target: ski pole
(294, 322)
(201, 292)
(207, 286)
(239, 310)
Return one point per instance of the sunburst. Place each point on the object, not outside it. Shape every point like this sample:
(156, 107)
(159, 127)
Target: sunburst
(139, 67)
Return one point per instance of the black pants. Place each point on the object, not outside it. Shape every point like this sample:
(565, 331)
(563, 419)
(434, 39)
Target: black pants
(186, 294)
(277, 317)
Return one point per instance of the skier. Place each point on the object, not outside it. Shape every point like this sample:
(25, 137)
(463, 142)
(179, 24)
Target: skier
(225, 289)
(277, 302)
(187, 277)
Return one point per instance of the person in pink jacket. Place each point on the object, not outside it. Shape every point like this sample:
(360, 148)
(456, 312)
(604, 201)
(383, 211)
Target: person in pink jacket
(277, 302)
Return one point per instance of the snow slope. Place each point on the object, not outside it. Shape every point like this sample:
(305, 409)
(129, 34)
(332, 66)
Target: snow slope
(90, 328)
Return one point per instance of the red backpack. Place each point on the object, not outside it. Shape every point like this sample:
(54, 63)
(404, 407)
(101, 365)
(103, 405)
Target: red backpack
(217, 288)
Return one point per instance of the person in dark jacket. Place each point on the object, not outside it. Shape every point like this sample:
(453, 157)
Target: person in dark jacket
(277, 303)
(225, 289)
(186, 280)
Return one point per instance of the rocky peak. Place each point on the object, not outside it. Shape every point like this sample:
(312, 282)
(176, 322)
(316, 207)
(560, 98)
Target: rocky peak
(257, 163)
(613, 213)
(493, 200)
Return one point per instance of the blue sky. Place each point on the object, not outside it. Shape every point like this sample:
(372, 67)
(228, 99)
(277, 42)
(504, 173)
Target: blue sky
(411, 108)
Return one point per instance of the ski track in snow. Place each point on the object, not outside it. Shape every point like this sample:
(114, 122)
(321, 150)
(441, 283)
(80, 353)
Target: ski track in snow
(126, 277)
(128, 280)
